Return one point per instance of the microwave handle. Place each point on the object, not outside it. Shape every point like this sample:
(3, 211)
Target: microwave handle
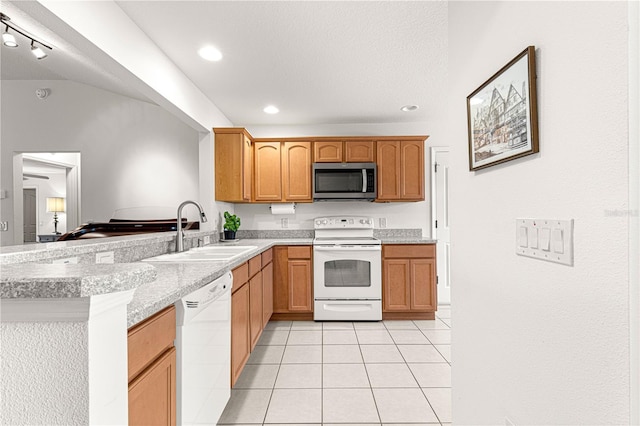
(364, 180)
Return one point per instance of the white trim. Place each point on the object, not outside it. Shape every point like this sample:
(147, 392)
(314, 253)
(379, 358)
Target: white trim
(634, 206)
(61, 309)
(432, 174)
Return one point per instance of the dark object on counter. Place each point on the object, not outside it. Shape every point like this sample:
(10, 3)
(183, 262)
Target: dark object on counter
(229, 235)
(117, 227)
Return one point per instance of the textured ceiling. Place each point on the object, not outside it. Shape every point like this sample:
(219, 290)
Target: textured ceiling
(319, 62)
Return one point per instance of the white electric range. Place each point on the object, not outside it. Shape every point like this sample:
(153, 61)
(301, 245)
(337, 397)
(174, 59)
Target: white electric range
(347, 271)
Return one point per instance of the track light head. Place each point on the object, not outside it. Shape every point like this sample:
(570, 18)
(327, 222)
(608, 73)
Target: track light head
(37, 51)
(8, 40)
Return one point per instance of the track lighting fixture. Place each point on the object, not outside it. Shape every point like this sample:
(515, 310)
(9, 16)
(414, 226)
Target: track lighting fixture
(9, 39)
(37, 51)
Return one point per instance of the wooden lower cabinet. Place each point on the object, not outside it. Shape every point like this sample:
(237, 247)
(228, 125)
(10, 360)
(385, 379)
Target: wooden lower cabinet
(251, 308)
(255, 311)
(240, 331)
(152, 395)
(409, 281)
(267, 293)
(152, 370)
(292, 281)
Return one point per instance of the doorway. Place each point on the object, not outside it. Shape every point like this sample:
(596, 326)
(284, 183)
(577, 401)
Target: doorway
(30, 214)
(40, 170)
(440, 229)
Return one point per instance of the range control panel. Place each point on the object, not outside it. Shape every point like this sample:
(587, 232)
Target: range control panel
(343, 222)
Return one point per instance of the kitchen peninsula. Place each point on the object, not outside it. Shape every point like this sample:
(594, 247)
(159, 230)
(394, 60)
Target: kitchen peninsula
(64, 326)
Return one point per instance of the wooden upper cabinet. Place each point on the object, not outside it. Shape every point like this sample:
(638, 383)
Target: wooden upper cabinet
(233, 164)
(282, 171)
(411, 170)
(359, 151)
(344, 151)
(400, 170)
(296, 171)
(328, 151)
(268, 171)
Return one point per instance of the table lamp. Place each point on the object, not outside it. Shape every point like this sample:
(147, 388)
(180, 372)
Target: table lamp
(55, 205)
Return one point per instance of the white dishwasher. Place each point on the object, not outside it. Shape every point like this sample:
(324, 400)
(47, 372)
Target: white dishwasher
(203, 346)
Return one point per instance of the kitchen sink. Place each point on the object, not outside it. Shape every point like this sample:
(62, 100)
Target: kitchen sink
(204, 254)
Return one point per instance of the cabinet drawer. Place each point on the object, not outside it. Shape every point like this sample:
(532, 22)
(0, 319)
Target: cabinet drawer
(147, 340)
(240, 276)
(299, 252)
(255, 264)
(407, 251)
(267, 257)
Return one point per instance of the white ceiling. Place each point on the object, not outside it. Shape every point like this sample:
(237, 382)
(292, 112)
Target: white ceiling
(319, 62)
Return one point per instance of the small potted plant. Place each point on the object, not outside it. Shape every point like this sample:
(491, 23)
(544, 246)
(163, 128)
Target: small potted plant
(231, 225)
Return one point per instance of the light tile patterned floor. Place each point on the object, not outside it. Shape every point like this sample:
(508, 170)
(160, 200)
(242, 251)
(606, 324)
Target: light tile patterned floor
(369, 373)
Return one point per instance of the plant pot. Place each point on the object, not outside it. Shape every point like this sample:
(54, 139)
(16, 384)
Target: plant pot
(229, 235)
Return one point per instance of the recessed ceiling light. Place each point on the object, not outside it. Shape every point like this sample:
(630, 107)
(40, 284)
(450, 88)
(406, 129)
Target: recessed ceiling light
(271, 109)
(408, 108)
(210, 53)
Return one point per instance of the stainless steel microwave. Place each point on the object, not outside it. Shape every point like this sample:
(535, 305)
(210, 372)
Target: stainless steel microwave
(344, 181)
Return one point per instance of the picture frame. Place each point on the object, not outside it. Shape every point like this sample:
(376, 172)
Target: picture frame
(502, 114)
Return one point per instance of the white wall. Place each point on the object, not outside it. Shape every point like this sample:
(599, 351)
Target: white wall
(537, 342)
(133, 153)
(416, 215)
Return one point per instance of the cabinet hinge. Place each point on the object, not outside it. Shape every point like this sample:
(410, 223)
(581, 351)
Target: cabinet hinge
(437, 279)
(435, 167)
(436, 224)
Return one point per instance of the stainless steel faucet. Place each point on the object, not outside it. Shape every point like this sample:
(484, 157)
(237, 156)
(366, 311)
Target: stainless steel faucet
(180, 234)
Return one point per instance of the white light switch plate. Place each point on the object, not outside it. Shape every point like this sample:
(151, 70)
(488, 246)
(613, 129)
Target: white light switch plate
(553, 241)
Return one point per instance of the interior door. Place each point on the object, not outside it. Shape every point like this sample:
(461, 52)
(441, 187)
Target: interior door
(29, 211)
(441, 228)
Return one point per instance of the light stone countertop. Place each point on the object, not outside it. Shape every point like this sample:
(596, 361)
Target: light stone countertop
(177, 279)
(157, 284)
(71, 280)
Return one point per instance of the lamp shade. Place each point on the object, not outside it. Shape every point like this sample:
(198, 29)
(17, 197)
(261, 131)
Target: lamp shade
(55, 204)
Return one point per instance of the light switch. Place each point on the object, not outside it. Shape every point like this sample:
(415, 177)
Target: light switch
(545, 235)
(558, 241)
(522, 237)
(549, 239)
(533, 238)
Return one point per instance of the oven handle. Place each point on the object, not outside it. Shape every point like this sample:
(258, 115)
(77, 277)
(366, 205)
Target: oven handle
(348, 248)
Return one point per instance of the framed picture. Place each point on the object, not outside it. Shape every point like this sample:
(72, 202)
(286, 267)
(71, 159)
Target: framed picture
(502, 114)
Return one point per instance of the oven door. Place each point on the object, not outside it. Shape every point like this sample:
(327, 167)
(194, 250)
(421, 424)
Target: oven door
(347, 272)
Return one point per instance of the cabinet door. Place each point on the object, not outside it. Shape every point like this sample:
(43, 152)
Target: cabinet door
(267, 293)
(395, 285)
(423, 285)
(280, 279)
(300, 295)
(152, 395)
(388, 154)
(247, 168)
(268, 171)
(412, 170)
(296, 171)
(255, 313)
(359, 152)
(240, 337)
(327, 152)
